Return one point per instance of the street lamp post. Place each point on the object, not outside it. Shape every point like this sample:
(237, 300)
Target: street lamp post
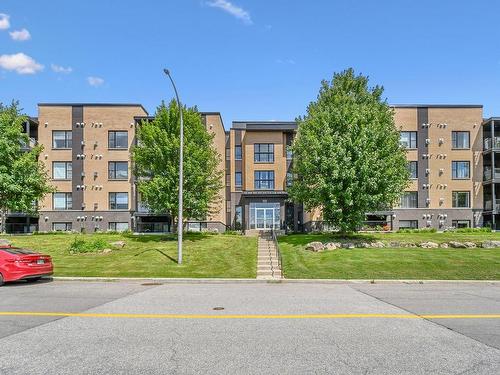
(181, 173)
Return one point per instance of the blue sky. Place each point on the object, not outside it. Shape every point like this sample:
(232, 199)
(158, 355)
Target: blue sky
(250, 60)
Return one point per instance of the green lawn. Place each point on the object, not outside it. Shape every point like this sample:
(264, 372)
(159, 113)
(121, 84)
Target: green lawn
(205, 255)
(391, 263)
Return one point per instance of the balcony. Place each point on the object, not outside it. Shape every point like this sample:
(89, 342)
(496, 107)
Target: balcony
(26, 146)
(488, 205)
(492, 143)
(488, 173)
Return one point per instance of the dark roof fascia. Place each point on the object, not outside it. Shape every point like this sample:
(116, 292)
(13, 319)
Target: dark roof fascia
(436, 105)
(265, 125)
(92, 105)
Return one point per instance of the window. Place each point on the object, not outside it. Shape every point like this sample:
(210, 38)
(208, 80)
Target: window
(118, 170)
(118, 227)
(289, 179)
(62, 139)
(408, 139)
(62, 227)
(413, 168)
(408, 224)
(460, 223)
(238, 181)
(118, 139)
(263, 152)
(460, 199)
(289, 153)
(62, 170)
(238, 218)
(118, 201)
(460, 170)
(409, 199)
(228, 154)
(62, 201)
(237, 152)
(460, 140)
(264, 180)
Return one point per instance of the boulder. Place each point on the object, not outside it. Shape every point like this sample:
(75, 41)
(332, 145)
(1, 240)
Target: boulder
(119, 244)
(106, 251)
(429, 245)
(470, 245)
(330, 246)
(395, 244)
(4, 242)
(444, 245)
(315, 246)
(489, 244)
(378, 244)
(457, 245)
(364, 245)
(348, 245)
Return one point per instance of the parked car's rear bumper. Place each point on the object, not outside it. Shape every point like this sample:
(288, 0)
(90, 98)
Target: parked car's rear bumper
(15, 275)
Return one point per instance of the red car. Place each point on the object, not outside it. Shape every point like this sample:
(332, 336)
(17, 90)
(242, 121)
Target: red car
(22, 264)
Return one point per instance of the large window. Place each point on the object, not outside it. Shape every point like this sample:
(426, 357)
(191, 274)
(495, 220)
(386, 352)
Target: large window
(460, 170)
(413, 168)
(408, 224)
(62, 227)
(461, 199)
(118, 170)
(263, 152)
(238, 180)
(289, 179)
(62, 201)
(264, 180)
(62, 170)
(409, 199)
(118, 201)
(460, 140)
(460, 223)
(408, 139)
(62, 139)
(238, 218)
(118, 226)
(118, 139)
(237, 152)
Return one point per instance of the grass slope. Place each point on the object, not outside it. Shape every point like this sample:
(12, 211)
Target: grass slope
(391, 263)
(205, 255)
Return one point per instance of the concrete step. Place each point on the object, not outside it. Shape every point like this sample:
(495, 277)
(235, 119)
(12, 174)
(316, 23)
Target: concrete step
(265, 273)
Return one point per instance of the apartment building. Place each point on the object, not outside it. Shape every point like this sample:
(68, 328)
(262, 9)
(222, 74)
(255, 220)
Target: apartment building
(491, 175)
(444, 145)
(87, 153)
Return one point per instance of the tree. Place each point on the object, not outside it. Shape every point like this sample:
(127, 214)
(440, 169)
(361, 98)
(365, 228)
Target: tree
(23, 178)
(156, 163)
(347, 157)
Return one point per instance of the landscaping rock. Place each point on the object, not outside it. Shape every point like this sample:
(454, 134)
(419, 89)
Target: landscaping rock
(429, 245)
(444, 245)
(470, 245)
(348, 245)
(330, 246)
(378, 244)
(119, 244)
(489, 244)
(315, 246)
(364, 245)
(457, 245)
(4, 242)
(395, 244)
(106, 251)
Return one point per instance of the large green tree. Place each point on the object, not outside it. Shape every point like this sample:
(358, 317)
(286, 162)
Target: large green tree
(23, 178)
(347, 157)
(156, 163)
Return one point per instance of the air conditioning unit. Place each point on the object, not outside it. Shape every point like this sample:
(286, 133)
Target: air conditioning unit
(427, 171)
(77, 124)
(441, 141)
(427, 141)
(83, 143)
(83, 174)
(441, 170)
(96, 205)
(83, 205)
(96, 144)
(96, 174)
(429, 223)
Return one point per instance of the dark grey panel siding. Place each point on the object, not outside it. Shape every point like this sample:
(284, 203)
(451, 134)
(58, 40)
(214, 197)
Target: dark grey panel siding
(423, 163)
(78, 149)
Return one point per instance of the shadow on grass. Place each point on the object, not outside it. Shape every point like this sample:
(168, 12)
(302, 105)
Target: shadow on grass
(159, 251)
(303, 239)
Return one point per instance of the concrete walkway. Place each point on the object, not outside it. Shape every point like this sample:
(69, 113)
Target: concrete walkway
(268, 266)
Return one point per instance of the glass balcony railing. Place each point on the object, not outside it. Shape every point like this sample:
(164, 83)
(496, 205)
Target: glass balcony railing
(28, 145)
(488, 173)
(488, 205)
(491, 143)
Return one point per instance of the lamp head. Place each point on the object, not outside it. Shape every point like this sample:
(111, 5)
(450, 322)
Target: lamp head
(166, 72)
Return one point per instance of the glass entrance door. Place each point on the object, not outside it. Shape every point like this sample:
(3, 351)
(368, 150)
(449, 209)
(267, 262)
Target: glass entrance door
(264, 216)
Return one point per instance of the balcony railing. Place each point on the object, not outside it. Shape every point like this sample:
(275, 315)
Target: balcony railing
(17, 228)
(488, 205)
(28, 145)
(487, 173)
(159, 227)
(490, 143)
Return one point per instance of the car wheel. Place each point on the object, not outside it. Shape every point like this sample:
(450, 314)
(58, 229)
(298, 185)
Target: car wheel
(1, 279)
(34, 279)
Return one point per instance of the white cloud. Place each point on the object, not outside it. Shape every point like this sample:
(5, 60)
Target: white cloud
(286, 61)
(4, 21)
(61, 69)
(20, 35)
(95, 81)
(21, 63)
(232, 9)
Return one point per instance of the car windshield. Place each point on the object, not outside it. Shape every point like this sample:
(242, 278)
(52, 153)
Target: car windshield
(17, 251)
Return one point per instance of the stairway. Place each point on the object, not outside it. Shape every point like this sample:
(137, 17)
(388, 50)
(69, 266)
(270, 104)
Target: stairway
(268, 266)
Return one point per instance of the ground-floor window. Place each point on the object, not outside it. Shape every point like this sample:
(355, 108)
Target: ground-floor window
(460, 223)
(408, 224)
(118, 226)
(265, 216)
(62, 227)
(238, 218)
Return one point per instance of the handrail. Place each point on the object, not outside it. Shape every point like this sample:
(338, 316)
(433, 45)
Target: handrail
(278, 252)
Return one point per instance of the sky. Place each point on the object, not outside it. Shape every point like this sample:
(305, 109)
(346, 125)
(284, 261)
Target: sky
(248, 59)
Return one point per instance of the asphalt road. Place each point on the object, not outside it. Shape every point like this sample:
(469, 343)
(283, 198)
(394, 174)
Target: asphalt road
(287, 328)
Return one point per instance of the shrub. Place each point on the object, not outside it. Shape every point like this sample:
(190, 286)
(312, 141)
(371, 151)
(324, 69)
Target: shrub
(470, 230)
(422, 230)
(232, 232)
(80, 245)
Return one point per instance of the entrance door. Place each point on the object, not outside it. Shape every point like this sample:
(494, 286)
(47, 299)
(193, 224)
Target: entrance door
(264, 218)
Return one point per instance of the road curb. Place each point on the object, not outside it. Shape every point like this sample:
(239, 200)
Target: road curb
(162, 280)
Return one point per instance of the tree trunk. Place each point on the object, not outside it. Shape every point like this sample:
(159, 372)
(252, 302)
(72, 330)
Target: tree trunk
(3, 224)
